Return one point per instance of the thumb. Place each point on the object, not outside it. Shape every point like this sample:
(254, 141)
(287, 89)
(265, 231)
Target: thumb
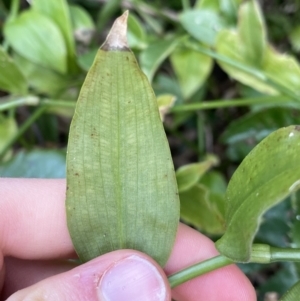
(119, 275)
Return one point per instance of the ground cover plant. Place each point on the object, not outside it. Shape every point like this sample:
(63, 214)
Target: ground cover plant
(190, 52)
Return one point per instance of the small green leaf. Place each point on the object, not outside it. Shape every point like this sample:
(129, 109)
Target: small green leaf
(267, 176)
(189, 175)
(208, 4)
(252, 32)
(202, 24)
(165, 102)
(136, 34)
(295, 38)
(122, 190)
(58, 12)
(199, 208)
(192, 69)
(38, 39)
(229, 9)
(155, 54)
(11, 78)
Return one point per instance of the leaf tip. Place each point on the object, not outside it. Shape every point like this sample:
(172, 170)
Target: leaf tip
(117, 36)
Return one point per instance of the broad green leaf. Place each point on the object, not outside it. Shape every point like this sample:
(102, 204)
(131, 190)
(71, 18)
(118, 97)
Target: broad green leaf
(200, 209)
(192, 69)
(11, 78)
(58, 12)
(82, 23)
(189, 175)
(136, 34)
(38, 39)
(252, 32)
(269, 174)
(122, 190)
(258, 125)
(35, 164)
(165, 102)
(292, 294)
(155, 54)
(229, 44)
(41, 79)
(202, 24)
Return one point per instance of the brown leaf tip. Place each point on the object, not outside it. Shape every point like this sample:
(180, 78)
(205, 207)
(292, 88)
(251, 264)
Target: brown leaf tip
(117, 37)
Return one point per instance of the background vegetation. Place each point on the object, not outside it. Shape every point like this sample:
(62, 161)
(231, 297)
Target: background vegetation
(227, 72)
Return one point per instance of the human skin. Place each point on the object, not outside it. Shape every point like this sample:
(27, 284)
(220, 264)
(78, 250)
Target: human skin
(35, 245)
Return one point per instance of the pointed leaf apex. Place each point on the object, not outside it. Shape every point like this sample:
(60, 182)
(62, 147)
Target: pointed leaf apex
(117, 37)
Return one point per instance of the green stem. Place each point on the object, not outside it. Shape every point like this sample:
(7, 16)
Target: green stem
(13, 102)
(254, 72)
(261, 253)
(14, 8)
(240, 102)
(33, 117)
(198, 270)
(58, 103)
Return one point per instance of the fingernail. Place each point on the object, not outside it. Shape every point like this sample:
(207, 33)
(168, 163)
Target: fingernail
(132, 279)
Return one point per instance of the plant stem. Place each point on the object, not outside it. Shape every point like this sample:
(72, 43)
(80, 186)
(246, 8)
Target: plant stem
(239, 102)
(198, 270)
(33, 117)
(254, 72)
(261, 253)
(13, 102)
(14, 8)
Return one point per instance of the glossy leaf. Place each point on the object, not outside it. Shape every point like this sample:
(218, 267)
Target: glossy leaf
(11, 78)
(256, 187)
(36, 164)
(58, 12)
(155, 54)
(122, 191)
(258, 125)
(188, 175)
(199, 208)
(38, 39)
(192, 69)
(292, 294)
(252, 32)
(202, 24)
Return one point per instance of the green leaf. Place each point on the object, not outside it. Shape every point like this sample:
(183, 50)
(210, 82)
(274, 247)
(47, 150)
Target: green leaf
(58, 12)
(82, 23)
(208, 4)
(122, 190)
(257, 125)
(8, 128)
(252, 32)
(203, 25)
(229, 9)
(192, 69)
(295, 38)
(292, 294)
(136, 34)
(11, 78)
(165, 102)
(267, 176)
(35, 164)
(189, 175)
(155, 54)
(86, 60)
(229, 44)
(38, 39)
(199, 208)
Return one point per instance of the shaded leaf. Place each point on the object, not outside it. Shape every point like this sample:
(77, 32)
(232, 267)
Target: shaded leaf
(155, 54)
(38, 39)
(202, 24)
(11, 78)
(35, 164)
(252, 32)
(192, 69)
(8, 128)
(200, 209)
(292, 294)
(258, 125)
(295, 38)
(122, 191)
(267, 176)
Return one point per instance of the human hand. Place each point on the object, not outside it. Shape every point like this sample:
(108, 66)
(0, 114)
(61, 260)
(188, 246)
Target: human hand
(35, 243)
